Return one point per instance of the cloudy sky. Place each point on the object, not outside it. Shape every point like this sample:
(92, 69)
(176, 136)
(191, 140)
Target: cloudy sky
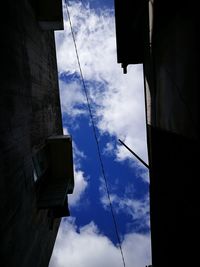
(88, 238)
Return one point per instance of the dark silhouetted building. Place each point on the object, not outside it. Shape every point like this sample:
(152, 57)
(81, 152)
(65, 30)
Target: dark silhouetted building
(164, 36)
(36, 168)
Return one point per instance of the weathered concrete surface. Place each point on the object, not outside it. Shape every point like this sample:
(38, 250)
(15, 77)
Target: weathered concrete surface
(29, 113)
(173, 134)
(175, 48)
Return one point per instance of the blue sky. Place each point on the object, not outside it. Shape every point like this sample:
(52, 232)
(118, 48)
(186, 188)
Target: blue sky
(87, 237)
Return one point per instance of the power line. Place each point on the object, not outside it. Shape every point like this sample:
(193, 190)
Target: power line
(95, 135)
(142, 161)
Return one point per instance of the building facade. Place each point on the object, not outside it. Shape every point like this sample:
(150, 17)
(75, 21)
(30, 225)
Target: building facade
(167, 32)
(30, 113)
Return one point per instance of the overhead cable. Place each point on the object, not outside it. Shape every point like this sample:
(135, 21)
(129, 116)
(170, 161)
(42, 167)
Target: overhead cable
(142, 161)
(95, 135)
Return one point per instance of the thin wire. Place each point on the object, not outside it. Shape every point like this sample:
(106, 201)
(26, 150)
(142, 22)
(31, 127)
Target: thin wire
(95, 135)
(142, 161)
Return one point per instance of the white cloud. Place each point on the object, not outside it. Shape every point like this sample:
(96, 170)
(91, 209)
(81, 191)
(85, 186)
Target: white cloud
(144, 174)
(109, 149)
(81, 181)
(137, 249)
(121, 105)
(95, 41)
(78, 156)
(87, 247)
(65, 131)
(138, 209)
(120, 113)
(79, 189)
(72, 98)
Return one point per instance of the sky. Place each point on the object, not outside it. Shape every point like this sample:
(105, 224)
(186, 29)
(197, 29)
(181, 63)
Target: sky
(88, 238)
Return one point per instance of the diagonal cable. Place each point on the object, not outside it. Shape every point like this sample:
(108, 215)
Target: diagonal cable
(95, 135)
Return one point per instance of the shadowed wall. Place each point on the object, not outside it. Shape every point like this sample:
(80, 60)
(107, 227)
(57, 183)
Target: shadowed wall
(29, 113)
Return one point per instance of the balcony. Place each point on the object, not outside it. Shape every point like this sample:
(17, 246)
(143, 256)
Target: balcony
(132, 26)
(49, 14)
(54, 176)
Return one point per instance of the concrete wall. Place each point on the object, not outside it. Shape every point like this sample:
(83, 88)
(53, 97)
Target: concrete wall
(176, 54)
(173, 133)
(29, 113)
